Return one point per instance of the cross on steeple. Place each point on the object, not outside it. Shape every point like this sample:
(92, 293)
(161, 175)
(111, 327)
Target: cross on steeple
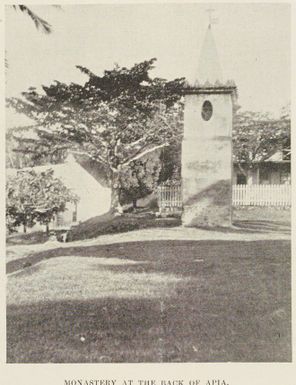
(210, 11)
(209, 68)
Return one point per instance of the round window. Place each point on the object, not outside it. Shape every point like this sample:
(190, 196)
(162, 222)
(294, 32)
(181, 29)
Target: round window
(207, 110)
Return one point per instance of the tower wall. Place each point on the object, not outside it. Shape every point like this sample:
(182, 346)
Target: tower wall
(207, 160)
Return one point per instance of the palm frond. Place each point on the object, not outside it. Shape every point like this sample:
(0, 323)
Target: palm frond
(38, 21)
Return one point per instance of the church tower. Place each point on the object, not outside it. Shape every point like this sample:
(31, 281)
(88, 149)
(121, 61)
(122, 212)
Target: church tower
(207, 143)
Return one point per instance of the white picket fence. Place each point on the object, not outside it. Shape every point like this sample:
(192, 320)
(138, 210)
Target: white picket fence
(261, 195)
(170, 197)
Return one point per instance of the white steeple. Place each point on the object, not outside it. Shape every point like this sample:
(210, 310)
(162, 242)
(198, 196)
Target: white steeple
(209, 69)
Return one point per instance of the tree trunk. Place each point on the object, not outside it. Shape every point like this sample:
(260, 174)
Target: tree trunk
(134, 203)
(24, 228)
(115, 194)
(11, 160)
(242, 170)
(47, 228)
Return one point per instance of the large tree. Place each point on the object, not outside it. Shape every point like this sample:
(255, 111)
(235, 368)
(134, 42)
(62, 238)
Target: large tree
(114, 119)
(257, 136)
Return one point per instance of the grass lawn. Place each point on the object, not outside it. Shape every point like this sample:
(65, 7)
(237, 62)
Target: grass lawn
(252, 219)
(110, 224)
(96, 226)
(26, 239)
(157, 301)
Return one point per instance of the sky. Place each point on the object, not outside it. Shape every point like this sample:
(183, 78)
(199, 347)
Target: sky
(253, 43)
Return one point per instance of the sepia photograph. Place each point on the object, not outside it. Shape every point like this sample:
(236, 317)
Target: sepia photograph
(148, 183)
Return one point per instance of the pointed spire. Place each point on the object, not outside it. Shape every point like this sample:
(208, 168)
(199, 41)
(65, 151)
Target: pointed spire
(209, 69)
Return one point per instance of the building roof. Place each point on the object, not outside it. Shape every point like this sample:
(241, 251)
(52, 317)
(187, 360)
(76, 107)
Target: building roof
(94, 198)
(280, 156)
(71, 173)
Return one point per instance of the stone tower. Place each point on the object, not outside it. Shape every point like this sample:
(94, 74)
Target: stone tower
(207, 143)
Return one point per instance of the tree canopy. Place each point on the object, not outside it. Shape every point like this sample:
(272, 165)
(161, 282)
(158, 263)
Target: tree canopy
(114, 119)
(140, 178)
(257, 136)
(120, 118)
(35, 197)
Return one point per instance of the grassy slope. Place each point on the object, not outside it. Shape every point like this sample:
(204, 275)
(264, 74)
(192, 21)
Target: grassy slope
(96, 226)
(108, 224)
(158, 301)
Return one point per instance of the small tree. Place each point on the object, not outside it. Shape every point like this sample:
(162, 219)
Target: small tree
(170, 159)
(257, 136)
(140, 178)
(35, 197)
(114, 119)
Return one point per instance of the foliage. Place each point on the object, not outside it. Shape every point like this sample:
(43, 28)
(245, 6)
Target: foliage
(35, 197)
(38, 21)
(12, 158)
(114, 119)
(140, 178)
(171, 162)
(22, 149)
(257, 136)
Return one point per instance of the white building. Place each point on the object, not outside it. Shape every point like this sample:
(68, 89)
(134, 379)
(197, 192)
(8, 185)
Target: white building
(94, 198)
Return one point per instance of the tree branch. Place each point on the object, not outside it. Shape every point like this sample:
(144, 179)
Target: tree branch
(140, 154)
(96, 158)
